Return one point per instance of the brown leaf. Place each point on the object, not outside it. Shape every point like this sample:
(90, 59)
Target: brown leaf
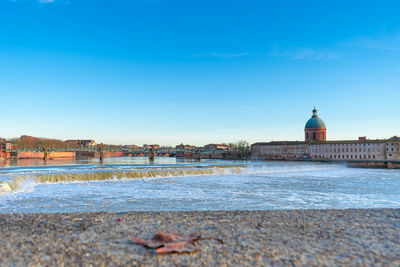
(179, 247)
(168, 242)
(162, 238)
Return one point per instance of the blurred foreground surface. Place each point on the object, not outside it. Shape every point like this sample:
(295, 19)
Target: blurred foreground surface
(252, 238)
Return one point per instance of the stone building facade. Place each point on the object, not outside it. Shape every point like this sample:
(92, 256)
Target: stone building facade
(316, 147)
(279, 150)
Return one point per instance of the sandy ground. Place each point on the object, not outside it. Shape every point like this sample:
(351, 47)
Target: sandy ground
(252, 238)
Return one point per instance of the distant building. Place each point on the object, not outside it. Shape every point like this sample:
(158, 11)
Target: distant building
(182, 146)
(315, 129)
(218, 146)
(362, 149)
(5, 145)
(146, 146)
(279, 150)
(84, 143)
(132, 146)
(316, 147)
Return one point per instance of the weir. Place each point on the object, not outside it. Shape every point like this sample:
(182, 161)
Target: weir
(17, 181)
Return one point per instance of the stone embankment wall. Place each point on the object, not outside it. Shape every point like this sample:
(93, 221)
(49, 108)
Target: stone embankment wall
(358, 164)
(376, 164)
(114, 154)
(40, 155)
(4, 155)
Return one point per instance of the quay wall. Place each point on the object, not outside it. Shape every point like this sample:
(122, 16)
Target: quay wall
(4, 155)
(40, 155)
(376, 164)
(87, 154)
(357, 164)
(54, 155)
(111, 154)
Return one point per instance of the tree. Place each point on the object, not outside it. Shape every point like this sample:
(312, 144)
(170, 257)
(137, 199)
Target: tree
(242, 148)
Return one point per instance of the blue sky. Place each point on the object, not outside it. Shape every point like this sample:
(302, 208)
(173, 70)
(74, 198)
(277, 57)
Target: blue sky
(158, 71)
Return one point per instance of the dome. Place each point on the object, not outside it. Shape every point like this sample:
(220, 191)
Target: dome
(315, 122)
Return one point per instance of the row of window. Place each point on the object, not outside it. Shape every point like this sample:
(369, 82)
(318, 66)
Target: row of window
(347, 150)
(347, 157)
(354, 144)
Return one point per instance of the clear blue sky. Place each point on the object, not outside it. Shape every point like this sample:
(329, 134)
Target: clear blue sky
(158, 71)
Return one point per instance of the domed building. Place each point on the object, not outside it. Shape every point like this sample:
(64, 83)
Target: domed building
(361, 152)
(315, 129)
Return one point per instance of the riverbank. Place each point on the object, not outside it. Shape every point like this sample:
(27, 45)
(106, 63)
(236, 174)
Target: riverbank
(372, 164)
(261, 238)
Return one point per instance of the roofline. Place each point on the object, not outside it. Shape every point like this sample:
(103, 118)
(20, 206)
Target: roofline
(328, 142)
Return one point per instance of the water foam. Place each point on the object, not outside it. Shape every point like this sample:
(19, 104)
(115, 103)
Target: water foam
(18, 181)
(162, 172)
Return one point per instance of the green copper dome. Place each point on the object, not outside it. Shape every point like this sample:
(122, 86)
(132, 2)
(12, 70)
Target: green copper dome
(315, 122)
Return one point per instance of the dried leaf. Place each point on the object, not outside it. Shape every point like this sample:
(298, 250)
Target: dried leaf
(162, 238)
(169, 242)
(179, 247)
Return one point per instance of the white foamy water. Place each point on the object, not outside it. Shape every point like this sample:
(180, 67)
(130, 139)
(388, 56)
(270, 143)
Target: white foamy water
(254, 186)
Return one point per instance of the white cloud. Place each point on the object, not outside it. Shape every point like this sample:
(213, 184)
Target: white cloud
(387, 43)
(304, 53)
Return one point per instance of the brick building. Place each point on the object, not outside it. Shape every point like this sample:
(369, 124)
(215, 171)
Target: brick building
(84, 143)
(316, 147)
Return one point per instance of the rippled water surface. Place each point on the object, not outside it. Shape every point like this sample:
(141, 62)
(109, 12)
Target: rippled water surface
(252, 186)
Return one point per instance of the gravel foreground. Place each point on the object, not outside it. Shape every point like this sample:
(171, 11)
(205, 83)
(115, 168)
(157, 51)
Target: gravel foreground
(252, 238)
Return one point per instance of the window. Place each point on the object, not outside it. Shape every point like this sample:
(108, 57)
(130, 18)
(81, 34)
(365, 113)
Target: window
(314, 136)
(306, 135)
(322, 134)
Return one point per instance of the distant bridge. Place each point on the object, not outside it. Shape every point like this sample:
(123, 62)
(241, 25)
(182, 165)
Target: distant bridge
(102, 151)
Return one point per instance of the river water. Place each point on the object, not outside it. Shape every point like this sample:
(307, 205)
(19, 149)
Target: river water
(132, 184)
